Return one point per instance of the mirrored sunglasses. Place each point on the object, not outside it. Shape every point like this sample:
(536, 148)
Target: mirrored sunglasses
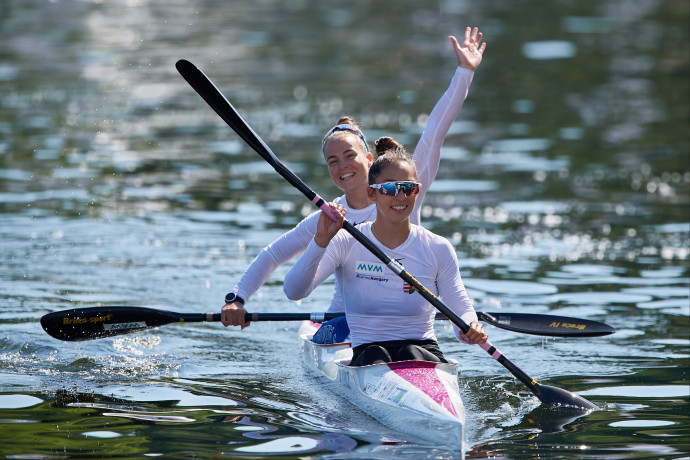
(408, 187)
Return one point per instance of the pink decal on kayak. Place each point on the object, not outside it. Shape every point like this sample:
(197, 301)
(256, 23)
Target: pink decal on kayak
(422, 374)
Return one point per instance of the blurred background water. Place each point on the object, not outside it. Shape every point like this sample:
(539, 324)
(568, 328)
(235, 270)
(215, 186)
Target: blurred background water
(564, 186)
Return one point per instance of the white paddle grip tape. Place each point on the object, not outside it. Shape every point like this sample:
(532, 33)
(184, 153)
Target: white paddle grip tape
(209, 316)
(317, 317)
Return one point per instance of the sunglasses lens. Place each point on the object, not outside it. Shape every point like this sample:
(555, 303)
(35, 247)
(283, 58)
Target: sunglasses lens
(409, 188)
(393, 188)
(389, 188)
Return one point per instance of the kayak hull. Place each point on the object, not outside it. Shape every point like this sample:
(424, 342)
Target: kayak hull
(419, 398)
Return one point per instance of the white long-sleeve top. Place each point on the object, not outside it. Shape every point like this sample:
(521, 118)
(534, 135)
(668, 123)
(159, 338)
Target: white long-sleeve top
(426, 156)
(379, 305)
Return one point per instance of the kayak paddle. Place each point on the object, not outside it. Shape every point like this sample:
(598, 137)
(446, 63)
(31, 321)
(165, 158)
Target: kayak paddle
(98, 322)
(207, 90)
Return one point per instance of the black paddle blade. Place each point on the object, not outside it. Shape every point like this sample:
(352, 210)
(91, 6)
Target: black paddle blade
(558, 397)
(214, 98)
(547, 325)
(97, 322)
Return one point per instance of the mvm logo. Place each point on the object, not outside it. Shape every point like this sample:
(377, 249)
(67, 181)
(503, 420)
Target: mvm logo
(369, 268)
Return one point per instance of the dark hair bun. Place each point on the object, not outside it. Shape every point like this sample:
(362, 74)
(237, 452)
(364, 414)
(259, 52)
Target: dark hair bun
(386, 144)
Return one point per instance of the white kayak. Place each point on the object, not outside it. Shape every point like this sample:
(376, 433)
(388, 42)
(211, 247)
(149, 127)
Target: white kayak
(418, 398)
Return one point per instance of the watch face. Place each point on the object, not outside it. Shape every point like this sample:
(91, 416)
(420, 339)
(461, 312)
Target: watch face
(232, 297)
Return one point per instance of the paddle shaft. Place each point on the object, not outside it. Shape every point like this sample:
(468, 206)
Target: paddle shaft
(94, 322)
(212, 95)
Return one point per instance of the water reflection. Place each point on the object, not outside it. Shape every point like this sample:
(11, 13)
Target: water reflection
(249, 430)
(18, 401)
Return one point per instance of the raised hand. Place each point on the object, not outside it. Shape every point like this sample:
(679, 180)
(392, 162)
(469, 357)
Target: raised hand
(471, 51)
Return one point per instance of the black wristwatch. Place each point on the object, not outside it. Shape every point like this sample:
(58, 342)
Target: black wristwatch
(232, 297)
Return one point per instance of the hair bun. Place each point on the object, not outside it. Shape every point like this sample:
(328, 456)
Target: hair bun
(346, 120)
(386, 144)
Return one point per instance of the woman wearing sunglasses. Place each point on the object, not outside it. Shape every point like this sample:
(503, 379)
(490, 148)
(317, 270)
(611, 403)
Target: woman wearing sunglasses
(347, 155)
(388, 320)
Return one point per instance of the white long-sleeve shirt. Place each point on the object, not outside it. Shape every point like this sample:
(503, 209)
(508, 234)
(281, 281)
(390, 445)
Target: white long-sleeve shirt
(379, 305)
(426, 156)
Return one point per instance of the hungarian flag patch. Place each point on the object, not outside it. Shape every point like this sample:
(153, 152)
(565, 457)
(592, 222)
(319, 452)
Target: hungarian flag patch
(409, 289)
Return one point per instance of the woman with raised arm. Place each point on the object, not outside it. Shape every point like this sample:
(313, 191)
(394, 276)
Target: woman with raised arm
(388, 320)
(347, 155)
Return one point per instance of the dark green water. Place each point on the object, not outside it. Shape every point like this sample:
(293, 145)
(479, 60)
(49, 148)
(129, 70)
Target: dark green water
(564, 187)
